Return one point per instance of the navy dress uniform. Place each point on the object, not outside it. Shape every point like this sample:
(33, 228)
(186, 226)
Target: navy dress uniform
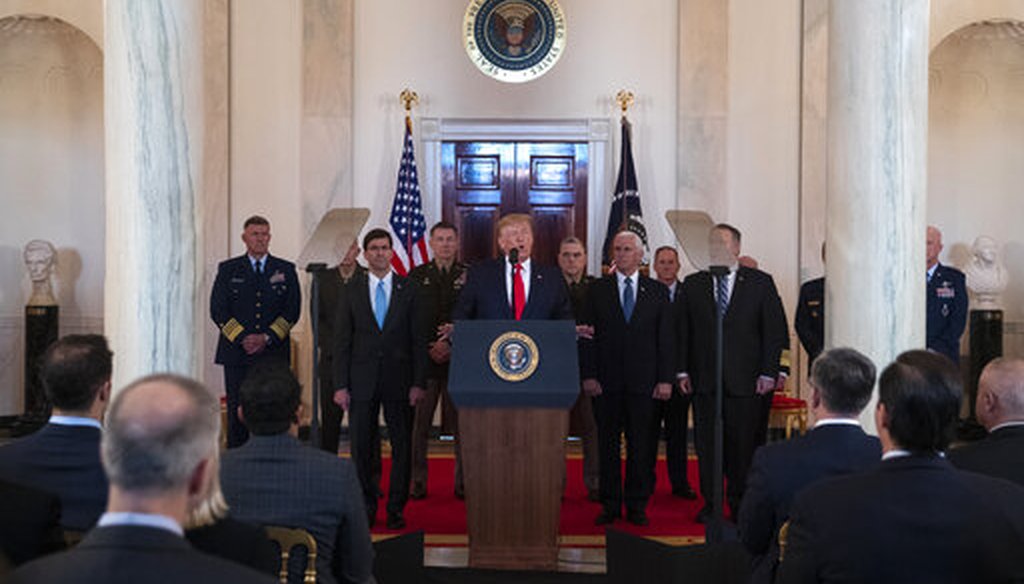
(947, 311)
(252, 296)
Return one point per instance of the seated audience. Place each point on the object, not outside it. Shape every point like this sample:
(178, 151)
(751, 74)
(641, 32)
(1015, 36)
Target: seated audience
(841, 384)
(158, 450)
(29, 524)
(1000, 408)
(63, 457)
(913, 518)
(273, 479)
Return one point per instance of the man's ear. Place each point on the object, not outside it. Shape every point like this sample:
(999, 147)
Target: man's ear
(199, 479)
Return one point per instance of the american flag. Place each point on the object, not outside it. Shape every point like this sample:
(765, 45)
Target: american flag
(407, 222)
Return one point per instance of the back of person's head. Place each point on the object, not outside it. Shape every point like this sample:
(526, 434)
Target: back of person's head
(270, 397)
(1001, 392)
(74, 369)
(844, 378)
(921, 393)
(159, 429)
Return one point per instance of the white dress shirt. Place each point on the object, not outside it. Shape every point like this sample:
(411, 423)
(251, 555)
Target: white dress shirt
(144, 519)
(75, 421)
(258, 264)
(372, 282)
(526, 280)
(837, 422)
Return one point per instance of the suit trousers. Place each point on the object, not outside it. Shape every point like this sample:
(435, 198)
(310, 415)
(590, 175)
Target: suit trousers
(583, 425)
(330, 424)
(234, 375)
(363, 417)
(437, 389)
(619, 411)
(675, 414)
(741, 424)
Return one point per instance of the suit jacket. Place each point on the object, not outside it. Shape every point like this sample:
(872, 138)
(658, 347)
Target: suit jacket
(243, 302)
(332, 286)
(31, 523)
(910, 519)
(947, 311)
(276, 480)
(237, 542)
(370, 360)
(65, 461)
(1001, 455)
(781, 470)
(629, 356)
(485, 295)
(810, 317)
(132, 554)
(754, 330)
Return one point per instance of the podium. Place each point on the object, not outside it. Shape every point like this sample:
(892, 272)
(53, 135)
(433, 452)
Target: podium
(513, 383)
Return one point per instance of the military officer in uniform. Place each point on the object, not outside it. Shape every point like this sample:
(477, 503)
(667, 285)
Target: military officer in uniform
(439, 283)
(947, 301)
(255, 302)
(810, 316)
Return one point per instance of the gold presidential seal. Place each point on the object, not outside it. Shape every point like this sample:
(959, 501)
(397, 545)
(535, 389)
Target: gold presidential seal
(514, 40)
(514, 356)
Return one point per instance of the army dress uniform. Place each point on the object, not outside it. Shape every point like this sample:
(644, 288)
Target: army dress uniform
(438, 289)
(252, 296)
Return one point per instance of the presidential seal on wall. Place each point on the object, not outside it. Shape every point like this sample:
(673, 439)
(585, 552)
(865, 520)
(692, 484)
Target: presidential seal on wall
(514, 356)
(514, 40)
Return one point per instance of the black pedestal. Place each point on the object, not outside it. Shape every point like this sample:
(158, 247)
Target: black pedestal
(41, 330)
(986, 344)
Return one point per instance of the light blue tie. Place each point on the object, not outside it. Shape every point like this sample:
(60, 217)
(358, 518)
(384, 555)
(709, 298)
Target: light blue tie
(380, 309)
(628, 301)
(722, 295)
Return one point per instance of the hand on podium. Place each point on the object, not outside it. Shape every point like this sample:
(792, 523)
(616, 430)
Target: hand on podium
(342, 397)
(592, 387)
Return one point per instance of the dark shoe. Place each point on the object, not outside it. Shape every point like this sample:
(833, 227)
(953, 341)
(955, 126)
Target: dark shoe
(395, 521)
(460, 493)
(704, 515)
(606, 517)
(593, 495)
(685, 492)
(637, 517)
(418, 492)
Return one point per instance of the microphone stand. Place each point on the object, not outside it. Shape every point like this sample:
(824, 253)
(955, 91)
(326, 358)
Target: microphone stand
(314, 290)
(715, 532)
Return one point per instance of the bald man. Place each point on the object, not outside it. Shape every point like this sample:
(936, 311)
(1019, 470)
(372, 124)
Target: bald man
(947, 301)
(1000, 408)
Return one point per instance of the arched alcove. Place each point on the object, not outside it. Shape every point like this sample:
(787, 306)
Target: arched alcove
(51, 177)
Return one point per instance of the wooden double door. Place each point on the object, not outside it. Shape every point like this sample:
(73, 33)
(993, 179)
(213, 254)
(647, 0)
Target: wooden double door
(482, 181)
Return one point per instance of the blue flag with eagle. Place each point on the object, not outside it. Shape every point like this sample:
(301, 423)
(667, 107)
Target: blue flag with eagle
(625, 212)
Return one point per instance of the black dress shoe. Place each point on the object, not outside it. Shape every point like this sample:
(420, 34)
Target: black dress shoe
(418, 492)
(685, 492)
(606, 517)
(704, 515)
(637, 517)
(395, 521)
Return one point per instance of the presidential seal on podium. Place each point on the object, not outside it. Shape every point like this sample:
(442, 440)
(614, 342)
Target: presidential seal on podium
(514, 40)
(514, 356)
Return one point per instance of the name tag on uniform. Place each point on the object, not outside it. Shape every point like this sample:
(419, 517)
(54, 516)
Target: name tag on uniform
(814, 303)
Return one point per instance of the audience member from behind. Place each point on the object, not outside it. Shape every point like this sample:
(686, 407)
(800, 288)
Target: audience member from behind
(273, 479)
(157, 450)
(1000, 408)
(841, 383)
(63, 457)
(913, 518)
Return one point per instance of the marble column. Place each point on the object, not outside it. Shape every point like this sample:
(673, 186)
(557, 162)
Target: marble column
(877, 153)
(158, 133)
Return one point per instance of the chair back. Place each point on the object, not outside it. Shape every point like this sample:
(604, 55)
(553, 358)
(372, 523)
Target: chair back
(288, 538)
(783, 536)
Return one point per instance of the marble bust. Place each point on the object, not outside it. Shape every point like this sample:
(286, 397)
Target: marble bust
(40, 258)
(986, 277)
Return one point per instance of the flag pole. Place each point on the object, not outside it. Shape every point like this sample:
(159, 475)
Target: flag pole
(409, 98)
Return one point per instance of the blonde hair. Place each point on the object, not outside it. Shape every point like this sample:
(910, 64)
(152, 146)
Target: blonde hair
(514, 219)
(213, 506)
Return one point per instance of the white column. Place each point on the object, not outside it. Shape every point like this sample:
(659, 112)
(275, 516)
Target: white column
(153, 84)
(877, 151)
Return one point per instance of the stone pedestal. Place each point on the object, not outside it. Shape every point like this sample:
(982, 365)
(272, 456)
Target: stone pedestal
(986, 343)
(41, 331)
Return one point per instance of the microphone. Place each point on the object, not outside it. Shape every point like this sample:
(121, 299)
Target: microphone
(513, 256)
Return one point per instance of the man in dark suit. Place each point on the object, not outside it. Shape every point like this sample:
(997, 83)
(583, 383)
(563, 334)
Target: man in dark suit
(674, 413)
(381, 362)
(754, 336)
(31, 523)
(1000, 408)
(947, 301)
(158, 450)
(255, 303)
(439, 282)
(627, 365)
(275, 480)
(841, 383)
(913, 518)
(504, 290)
(63, 457)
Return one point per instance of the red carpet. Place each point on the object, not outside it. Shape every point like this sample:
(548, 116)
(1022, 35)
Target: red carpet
(443, 517)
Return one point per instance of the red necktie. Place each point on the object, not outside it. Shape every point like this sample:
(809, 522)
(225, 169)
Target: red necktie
(518, 291)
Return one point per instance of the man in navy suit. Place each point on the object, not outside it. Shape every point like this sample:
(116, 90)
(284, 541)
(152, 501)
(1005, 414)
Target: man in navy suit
(254, 303)
(274, 479)
(63, 457)
(841, 383)
(381, 361)
(947, 301)
(159, 450)
(914, 517)
(1000, 408)
(500, 289)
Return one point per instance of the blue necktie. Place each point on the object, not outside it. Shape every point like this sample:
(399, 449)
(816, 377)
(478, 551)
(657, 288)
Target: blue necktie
(722, 295)
(628, 301)
(380, 309)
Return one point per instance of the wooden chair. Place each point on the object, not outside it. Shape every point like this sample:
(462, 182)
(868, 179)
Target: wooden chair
(788, 412)
(783, 536)
(288, 538)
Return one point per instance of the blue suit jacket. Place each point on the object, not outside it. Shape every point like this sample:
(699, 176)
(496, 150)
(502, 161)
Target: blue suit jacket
(64, 461)
(276, 480)
(947, 311)
(485, 295)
